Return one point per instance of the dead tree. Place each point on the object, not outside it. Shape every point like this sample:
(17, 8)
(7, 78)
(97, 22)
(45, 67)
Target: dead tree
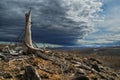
(28, 38)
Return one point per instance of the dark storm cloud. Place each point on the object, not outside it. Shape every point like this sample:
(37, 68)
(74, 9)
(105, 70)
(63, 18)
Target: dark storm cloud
(53, 21)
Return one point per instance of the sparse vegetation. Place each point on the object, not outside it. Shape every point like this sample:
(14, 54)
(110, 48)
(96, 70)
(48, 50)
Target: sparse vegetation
(67, 65)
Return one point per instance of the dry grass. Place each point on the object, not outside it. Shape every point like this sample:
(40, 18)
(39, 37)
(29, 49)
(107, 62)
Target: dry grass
(108, 60)
(111, 61)
(14, 67)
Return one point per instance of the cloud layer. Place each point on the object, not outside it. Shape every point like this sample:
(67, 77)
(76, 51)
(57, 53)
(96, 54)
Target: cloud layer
(108, 31)
(54, 21)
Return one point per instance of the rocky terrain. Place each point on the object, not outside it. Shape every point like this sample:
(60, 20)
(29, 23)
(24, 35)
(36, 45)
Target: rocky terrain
(64, 65)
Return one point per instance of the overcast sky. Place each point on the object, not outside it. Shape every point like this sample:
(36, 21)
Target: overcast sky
(63, 22)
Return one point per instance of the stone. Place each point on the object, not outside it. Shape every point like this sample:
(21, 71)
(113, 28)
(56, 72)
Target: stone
(3, 57)
(93, 59)
(19, 76)
(80, 75)
(80, 71)
(81, 78)
(7, 75)
(31, 74)
(96, 67)
(94, 78)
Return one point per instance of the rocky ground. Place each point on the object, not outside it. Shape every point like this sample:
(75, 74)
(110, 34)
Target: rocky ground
(64, 66)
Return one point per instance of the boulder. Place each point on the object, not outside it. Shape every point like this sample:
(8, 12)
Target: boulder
(96, 67)
(31, 74)
(7, 75)
(82, 77)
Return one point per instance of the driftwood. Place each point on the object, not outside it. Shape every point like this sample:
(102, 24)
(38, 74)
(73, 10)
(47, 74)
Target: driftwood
(3, 57)
(80, 65)
(48, 71)
(38, 52)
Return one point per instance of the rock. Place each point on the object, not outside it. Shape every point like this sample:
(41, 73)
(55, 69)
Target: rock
(80, 71)
(81, 78)
(118, 72)
(94, 79)
(93, 59)
(19, 76)
(80, 75)
(3, 57)
(14, 53)
(96, 67)
(7, 75)
(102, 68)
(114, 74)
(31, 74)
(69, 69)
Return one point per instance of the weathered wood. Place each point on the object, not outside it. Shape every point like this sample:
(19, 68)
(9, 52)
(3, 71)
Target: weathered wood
(38, 52)
(3, 57)
(80, 65)
(48, 71)
(28, 39)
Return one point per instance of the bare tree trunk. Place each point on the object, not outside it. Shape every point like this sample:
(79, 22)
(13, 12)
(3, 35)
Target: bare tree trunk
(28, 37)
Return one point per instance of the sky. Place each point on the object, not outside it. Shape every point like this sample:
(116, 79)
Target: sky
(63, 22)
